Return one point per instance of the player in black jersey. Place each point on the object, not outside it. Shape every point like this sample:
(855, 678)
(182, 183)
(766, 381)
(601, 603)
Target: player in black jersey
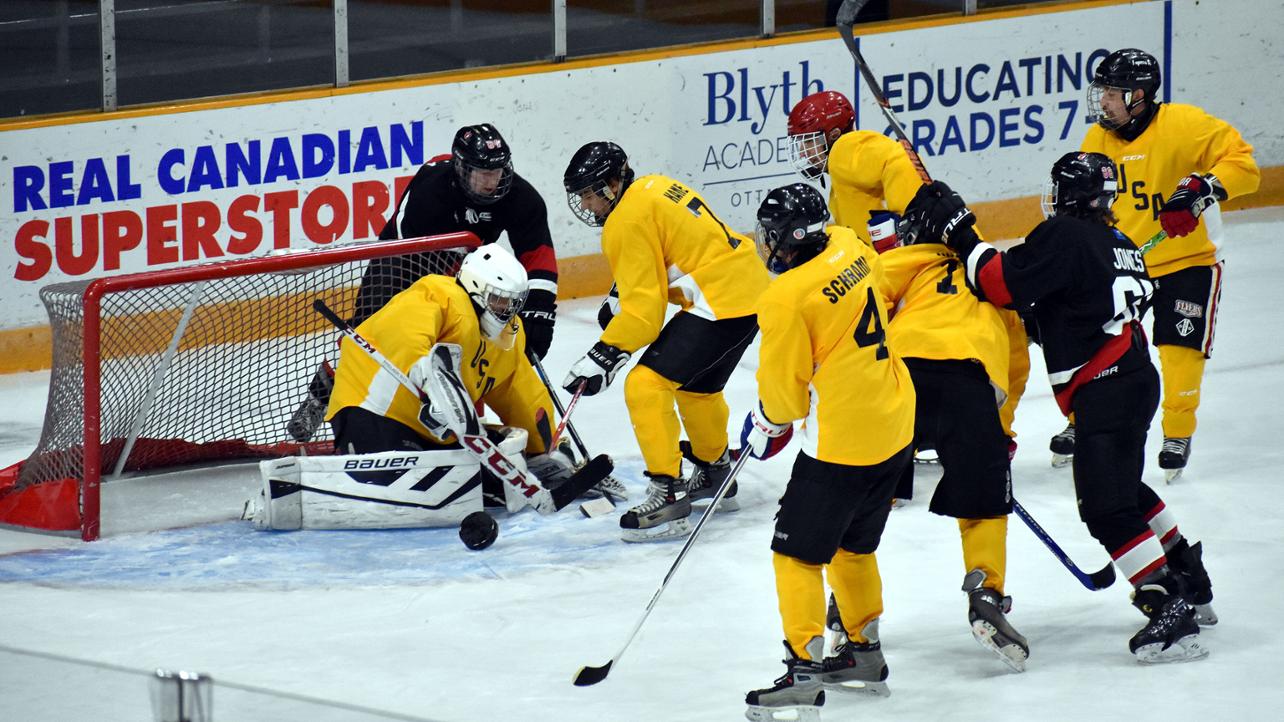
(473, 189)
(1089, 287)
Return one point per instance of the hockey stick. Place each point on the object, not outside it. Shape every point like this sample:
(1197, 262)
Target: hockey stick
(1154, 241)
(566, 416)
(587, 676)
(846, 18)
(1095, 581)
(557, 403)
(544, 501)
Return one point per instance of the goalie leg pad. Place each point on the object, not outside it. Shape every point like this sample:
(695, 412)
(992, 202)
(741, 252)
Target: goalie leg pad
(387, 490)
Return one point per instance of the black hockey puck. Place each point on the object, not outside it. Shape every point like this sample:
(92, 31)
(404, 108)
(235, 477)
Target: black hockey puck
(478, 530)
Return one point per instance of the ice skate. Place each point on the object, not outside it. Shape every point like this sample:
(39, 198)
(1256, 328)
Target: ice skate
(664, 514)
(308, 416)
(1187, 560)
(858, 666)
(708, 476)
(986, 610)
(1171, 635)
(1062, 447)
(1173, 456)
(798, 695)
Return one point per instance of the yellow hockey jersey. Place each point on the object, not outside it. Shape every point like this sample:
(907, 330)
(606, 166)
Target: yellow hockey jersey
(665, 244)
(435, 309)
(824, 357)
(1180, 140)
(868, 171)
(936, 317)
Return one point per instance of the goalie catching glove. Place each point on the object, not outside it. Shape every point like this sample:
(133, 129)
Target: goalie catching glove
(761, 437)
(597, 368)
(1194, 194)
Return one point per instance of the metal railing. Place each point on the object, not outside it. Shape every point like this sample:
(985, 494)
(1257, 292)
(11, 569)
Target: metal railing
(79, 55)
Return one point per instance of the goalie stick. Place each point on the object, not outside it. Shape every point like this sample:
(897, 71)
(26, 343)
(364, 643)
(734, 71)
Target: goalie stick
(544, 501)
(1095, 581)
(846, 18)
(589, 675)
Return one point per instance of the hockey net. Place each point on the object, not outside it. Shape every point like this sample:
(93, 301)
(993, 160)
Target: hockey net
(200, 364)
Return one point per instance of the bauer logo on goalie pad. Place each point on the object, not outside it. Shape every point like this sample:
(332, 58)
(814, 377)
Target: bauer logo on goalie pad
(431, 488)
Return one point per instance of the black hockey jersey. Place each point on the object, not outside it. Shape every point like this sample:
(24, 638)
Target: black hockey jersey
(433, 204)
(1088, 286)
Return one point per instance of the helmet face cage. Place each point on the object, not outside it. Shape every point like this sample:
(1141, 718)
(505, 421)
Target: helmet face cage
(483, 186)
(598, 193)
(497, 285)
(809, 153)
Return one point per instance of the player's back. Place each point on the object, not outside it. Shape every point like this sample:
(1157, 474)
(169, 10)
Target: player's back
(935, 316)
(869, 171)
(824, 357)
(711, 270)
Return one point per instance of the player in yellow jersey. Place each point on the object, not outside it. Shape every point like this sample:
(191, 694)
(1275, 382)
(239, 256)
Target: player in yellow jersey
(665, 245)
(1198, 160)
(867, 170)
(825, 360)
(957, 350)
(870, 177)
(475, 317)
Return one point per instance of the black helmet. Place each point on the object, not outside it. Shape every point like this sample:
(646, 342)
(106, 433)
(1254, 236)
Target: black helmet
(1082, 184)
(791, 226)
(482, 148)
(590, 171)
(1127, 70)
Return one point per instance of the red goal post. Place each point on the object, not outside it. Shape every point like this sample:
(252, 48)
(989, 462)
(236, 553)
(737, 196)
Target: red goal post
(193, 365)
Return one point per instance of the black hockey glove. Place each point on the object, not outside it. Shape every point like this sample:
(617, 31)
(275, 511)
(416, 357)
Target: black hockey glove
(538, 316)
(943, 218)
(610, 306)
(598, 368)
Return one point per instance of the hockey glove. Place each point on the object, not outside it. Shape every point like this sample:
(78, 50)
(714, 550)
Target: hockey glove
(1194, 194)
(610, 307)
(539, 330)
(597, 367)
(434, 420)
(447, 407)
(883, 230)
(761, 437)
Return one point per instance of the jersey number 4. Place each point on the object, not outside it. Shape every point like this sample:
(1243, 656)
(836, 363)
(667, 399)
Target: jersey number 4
(869, 329)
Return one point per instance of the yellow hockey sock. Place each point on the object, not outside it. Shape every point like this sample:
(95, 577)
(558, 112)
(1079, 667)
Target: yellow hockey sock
(985, 547)
(800, 589)
(1183, 373)
(858, 589)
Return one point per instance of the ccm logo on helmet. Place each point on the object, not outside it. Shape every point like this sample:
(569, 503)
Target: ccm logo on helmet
(394, 463)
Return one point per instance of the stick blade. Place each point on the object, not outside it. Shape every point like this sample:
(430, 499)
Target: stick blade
(589, 676)
(584, 478)
(1103, 577)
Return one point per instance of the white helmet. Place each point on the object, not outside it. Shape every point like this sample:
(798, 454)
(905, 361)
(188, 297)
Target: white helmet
(496, 283)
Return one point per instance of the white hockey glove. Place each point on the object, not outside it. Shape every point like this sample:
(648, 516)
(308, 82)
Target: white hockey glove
(597, 367)
(448, 409)
(761, 437)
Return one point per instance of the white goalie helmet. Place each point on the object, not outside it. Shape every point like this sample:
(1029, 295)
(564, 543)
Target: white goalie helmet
(496, 283)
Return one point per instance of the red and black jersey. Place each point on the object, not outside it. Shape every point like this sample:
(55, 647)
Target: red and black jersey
(1088, 287)
(433, 203)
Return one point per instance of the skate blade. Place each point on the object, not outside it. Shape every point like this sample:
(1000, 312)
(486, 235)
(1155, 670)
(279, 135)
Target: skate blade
(1060, 460)
(1186, 649)
(855, 686)
(1171, 475)
(676, 529)
(801, 713)
(1204, 615)
(1008, 652)
(724, 505)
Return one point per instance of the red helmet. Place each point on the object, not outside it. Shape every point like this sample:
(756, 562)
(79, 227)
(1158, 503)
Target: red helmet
(810, 124)
(822, 112)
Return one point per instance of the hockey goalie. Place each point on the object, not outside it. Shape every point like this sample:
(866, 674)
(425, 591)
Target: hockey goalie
(398, 459)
